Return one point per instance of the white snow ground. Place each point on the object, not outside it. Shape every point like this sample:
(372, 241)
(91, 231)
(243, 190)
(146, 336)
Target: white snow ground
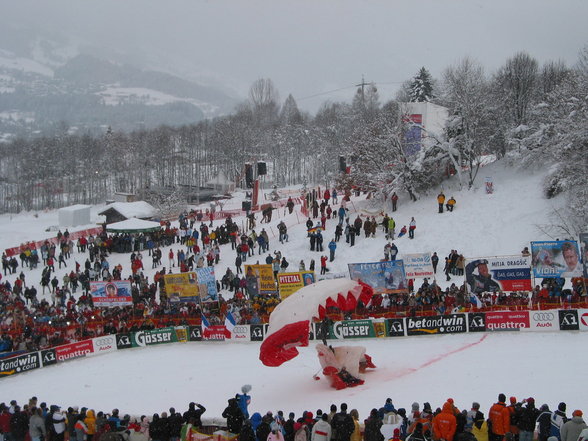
(548, 366)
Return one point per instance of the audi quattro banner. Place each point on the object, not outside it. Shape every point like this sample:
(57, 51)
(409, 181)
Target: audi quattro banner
(507, 320)
(104, 344)
(77, 349)
(418, 266)
(384, 277)
(556, 259)
(154, 337)
(438, 324)
(182, 287)
(503, 273)
(568, 320)
(352, 329)
(289, 283)
(241, 333)
(114, 293)
(22, 363)
(543, 321)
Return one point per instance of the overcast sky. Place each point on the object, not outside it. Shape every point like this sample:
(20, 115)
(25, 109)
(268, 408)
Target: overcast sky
(310, 47)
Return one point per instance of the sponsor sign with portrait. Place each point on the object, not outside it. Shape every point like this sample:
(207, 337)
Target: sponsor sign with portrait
(207, 284)
(386, 277)
(110, 294)
(553, 259)
(502, 273)
(289, 283)
(104, 344)
(19, 364)
(507, 320)
(438, 324)
(260, 280)
(182, 287)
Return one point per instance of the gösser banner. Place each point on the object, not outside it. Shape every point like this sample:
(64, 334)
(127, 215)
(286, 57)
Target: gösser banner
(556, 259)
(289, 283)
(114, 293)
(384, 277)
(418, 266)
(508, 273)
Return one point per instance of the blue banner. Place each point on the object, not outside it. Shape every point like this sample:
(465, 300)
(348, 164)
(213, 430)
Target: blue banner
(207, 284)
(384, 277)
(553, 259)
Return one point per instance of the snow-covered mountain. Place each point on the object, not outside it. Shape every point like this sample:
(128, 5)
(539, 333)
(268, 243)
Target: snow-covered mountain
(52, 83)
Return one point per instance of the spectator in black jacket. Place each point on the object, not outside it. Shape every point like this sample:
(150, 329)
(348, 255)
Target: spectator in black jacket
(234, 416)
(175, 422)
(528, 420)
(343, 424)
(192, 412)
(544, 420)
(19, 424)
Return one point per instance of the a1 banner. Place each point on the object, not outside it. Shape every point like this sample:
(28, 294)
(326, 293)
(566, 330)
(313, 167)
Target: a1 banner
(395, 327)
(504, 273)
(241, 333)
(77, 349)
(22, 363)
(438, 324)
(256, 332)
(583, 319)
(507, 320)
(104, 344)
(547, 320)
(476, 322)
(352, 329)
(123, 341)
(195, 333)
(568, 320)
(48, 357)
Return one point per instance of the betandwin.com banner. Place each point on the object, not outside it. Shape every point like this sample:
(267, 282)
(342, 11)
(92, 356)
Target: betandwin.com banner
(438, 324)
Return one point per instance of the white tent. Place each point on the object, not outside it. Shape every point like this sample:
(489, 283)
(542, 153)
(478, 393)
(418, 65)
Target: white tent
(74, 215)
(133, 225)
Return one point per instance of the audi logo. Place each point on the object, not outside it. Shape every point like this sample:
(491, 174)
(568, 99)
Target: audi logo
(240, 330)
(543, 316)
(104, 341)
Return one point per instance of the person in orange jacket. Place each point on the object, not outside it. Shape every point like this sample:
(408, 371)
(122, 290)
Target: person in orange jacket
(441, 201)
(499, 417)
(445, 424)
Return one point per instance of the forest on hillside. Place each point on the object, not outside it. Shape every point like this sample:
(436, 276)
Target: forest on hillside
(530, 114)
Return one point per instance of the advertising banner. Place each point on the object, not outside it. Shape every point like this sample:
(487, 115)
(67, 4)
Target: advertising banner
(568, 320)
(123, 341)
(48, 357)
(395, 327)
(256, 332)
(507, 320)
(22, 363)
(260, 280)
(503, 273)
(476, 322)
(352, 329)
(543, 320)
(114, 293)
(289, 283)
(207, 284)
(154, 337)
(104, 344)
(77, 349)
(241, 333)
(195, 333)
(583, 319)
(216, 332)
(556, 259)
(584, 252)
(384, 277)
(438, 324)
(418, 266)
(182, 287)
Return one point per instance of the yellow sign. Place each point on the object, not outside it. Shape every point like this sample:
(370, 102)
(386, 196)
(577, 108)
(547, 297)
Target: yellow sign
(260, 279)
(289, 283)
(182, 287)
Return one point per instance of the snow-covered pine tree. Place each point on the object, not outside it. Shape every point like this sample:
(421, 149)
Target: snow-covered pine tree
(421, 88)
